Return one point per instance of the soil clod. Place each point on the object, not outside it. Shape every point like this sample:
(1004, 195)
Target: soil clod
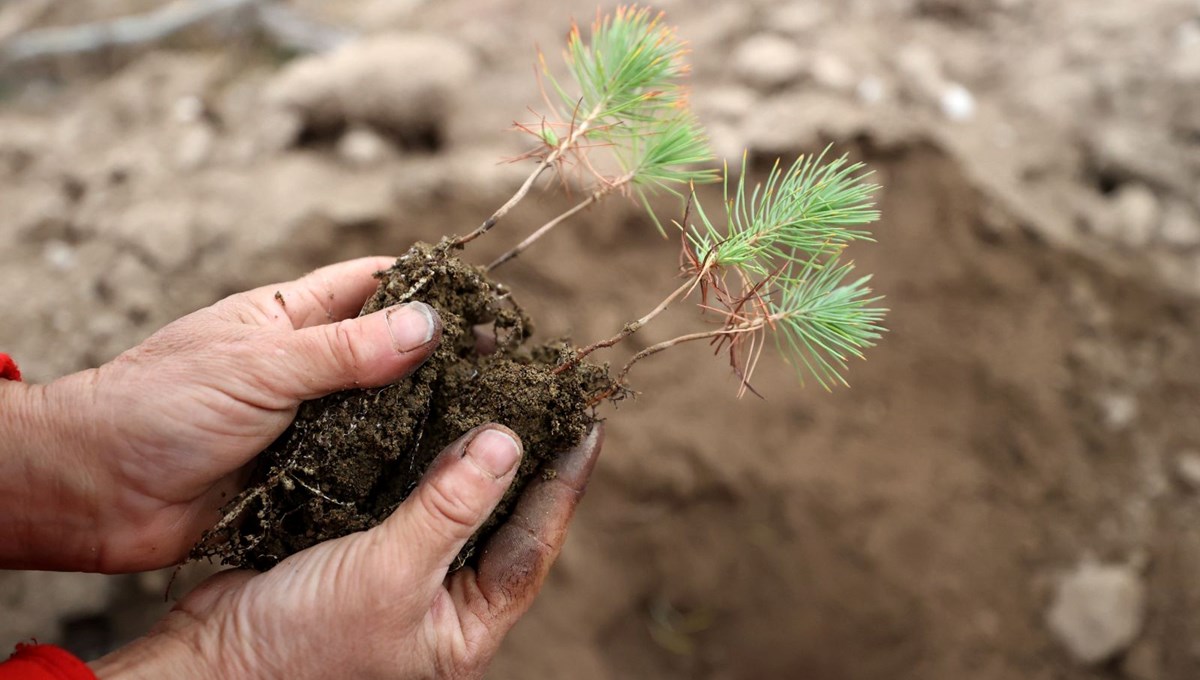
(351, 458)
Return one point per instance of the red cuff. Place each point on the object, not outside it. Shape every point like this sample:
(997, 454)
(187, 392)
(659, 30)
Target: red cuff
(44, 662)
(8, 368)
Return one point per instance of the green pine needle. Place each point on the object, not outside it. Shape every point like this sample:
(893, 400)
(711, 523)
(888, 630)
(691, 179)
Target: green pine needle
(789, 231)
(823, 322)
(628, 90)
(813, 208)
(629, 69)
(666, 157)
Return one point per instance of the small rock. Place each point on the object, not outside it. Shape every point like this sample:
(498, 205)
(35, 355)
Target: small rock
(363, 147)
(59, 254)
(730, 102)
(801, 119)
(1180, 226)
(1187, 468)
(1187, 35)
(832, 72)
(768, 61)
(957, 103)
(195, 147)
(1137, 212)
(921, 70)
(871, 90)
(1120, 410)
(189, 109)
(797, 18)
(160, 226)
(726, 141)
(403, 84)
(1097, 611)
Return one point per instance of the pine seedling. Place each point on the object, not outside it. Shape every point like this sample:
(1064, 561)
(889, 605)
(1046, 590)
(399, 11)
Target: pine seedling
(770, 263)
(625, 97)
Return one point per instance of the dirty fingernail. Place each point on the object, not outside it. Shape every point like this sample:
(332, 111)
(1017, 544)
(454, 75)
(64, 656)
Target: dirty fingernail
(495, 452)
(412, 325)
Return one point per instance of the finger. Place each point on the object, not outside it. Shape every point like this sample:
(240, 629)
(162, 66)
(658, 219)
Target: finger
(454, 499)
(516, 560)
(328, 294)
(368, 351)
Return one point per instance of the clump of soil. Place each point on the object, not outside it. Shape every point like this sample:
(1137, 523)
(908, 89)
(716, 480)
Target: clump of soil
(351, 458)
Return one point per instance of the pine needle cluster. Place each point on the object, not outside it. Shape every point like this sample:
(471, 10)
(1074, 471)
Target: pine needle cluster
(772, 263)
(628, 96)
(784, 240)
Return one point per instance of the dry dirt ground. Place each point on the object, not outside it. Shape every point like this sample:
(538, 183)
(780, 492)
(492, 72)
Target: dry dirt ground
(1031, 418)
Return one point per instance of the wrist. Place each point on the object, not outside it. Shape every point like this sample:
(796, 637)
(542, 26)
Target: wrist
(173, 652)
(183, 645)
(50, 483)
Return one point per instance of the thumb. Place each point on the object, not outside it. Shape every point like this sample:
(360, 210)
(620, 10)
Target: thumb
(455, 498)
(206, 596)
(367, 351)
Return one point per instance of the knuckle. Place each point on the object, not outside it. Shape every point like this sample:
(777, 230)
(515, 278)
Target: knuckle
(472, 659)
(531, 559)
(465, 664)
(514, 579)
(343, 346)
(449, 507)
(313, 287)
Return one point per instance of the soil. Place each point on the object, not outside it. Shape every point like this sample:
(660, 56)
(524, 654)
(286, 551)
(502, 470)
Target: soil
(349, 459)
(1032, 408)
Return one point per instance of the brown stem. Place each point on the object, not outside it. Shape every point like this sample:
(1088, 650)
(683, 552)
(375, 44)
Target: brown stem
(549, 160)
(630, 328)
(666, 344)
(545, 228)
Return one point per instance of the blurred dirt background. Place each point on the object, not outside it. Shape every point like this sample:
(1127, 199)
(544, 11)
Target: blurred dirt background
(1010, 490)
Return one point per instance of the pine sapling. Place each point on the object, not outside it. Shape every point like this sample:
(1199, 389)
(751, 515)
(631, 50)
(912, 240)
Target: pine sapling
(768, 265)
(772, 264)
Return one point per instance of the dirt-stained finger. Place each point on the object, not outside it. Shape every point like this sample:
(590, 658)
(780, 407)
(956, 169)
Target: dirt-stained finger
(518, 557)
(328, 294)
(455, 498)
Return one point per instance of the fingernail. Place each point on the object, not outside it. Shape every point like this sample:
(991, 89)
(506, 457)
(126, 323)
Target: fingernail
(411, 325)
(495, 452)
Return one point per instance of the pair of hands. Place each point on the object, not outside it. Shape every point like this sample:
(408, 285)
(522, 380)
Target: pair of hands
(121, 469)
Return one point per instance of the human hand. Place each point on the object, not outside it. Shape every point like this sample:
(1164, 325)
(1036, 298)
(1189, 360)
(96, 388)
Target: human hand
(378, 604)
(140, 454)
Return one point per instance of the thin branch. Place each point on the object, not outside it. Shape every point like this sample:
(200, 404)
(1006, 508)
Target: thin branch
(630, 328)
(595, 197)
(690, 337)
(655, 349)
(558, 152)
(543, 230)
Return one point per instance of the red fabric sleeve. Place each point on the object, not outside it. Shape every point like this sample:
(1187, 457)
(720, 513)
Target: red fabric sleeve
(44, 662)
(8, 368)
